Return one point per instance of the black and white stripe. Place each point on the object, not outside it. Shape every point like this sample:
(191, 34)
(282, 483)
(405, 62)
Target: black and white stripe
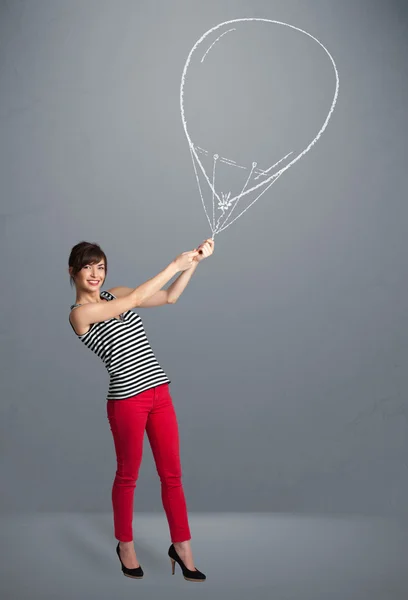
(126, 352)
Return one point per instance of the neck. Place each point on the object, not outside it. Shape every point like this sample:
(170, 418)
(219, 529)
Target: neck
(88, 298)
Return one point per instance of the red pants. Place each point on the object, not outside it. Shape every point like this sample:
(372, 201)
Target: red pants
(152, 410)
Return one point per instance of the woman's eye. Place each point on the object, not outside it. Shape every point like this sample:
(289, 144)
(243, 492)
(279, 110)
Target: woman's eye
(100, 268)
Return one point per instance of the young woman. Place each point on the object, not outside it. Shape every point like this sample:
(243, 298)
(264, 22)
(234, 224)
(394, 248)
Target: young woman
(139, 397)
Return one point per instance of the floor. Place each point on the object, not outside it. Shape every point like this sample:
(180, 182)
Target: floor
(265, 556)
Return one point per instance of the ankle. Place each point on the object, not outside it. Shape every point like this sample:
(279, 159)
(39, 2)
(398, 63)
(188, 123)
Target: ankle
(181, 545)
(126, 545)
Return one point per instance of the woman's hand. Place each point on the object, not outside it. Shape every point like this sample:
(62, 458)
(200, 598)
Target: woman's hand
(205, 250)
(185, 260)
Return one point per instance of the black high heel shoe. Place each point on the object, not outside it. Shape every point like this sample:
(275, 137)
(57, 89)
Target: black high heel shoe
(187, 574)
(136, 573)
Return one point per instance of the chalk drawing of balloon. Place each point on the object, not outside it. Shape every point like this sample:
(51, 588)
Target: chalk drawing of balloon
(255, 96)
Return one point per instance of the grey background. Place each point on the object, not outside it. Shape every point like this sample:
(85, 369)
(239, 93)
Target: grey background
(287, 351)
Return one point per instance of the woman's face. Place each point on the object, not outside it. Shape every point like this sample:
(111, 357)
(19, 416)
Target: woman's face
(89, 274)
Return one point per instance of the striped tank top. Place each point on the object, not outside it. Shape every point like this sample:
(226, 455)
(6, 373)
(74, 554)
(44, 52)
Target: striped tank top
(126, 352)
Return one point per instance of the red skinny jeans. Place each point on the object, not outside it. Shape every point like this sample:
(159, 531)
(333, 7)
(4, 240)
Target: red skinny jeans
(152, 410)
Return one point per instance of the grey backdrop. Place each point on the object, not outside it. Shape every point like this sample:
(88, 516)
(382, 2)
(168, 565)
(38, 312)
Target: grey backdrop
(287, 351)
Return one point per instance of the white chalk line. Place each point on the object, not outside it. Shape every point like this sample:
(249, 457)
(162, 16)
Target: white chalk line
(275, 165)
(199, 187)
(233, 163)
(228, 161)
(215, 228)
(239, 197)
(275, 176)
(249, 205)
(218, 38)
(213, 203)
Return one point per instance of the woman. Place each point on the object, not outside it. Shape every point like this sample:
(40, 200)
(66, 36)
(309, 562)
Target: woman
(139, 395)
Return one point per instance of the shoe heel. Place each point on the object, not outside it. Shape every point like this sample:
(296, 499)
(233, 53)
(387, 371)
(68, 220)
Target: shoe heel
(136, 573)
(188, 574)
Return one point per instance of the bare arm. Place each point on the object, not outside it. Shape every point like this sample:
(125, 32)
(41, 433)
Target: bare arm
(177, 287)
(162, 297)
(93, 312)
(153, 285)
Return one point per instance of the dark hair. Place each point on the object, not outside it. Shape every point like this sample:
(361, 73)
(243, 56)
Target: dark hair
(85, 253)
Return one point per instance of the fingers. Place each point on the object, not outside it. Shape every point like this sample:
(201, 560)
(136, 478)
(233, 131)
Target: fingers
(209, 241)
(205, 248)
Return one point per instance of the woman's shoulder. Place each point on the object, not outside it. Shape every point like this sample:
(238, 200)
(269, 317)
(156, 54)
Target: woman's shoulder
(104, 294)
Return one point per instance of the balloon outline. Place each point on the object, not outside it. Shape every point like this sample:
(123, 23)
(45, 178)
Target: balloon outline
(275, 176)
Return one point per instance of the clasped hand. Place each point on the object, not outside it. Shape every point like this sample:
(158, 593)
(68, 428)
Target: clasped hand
(207, 248)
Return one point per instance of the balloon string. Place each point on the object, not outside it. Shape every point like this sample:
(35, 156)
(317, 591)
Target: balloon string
(213, 189)
(199, 188)
(239, 197)
(267, 187)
